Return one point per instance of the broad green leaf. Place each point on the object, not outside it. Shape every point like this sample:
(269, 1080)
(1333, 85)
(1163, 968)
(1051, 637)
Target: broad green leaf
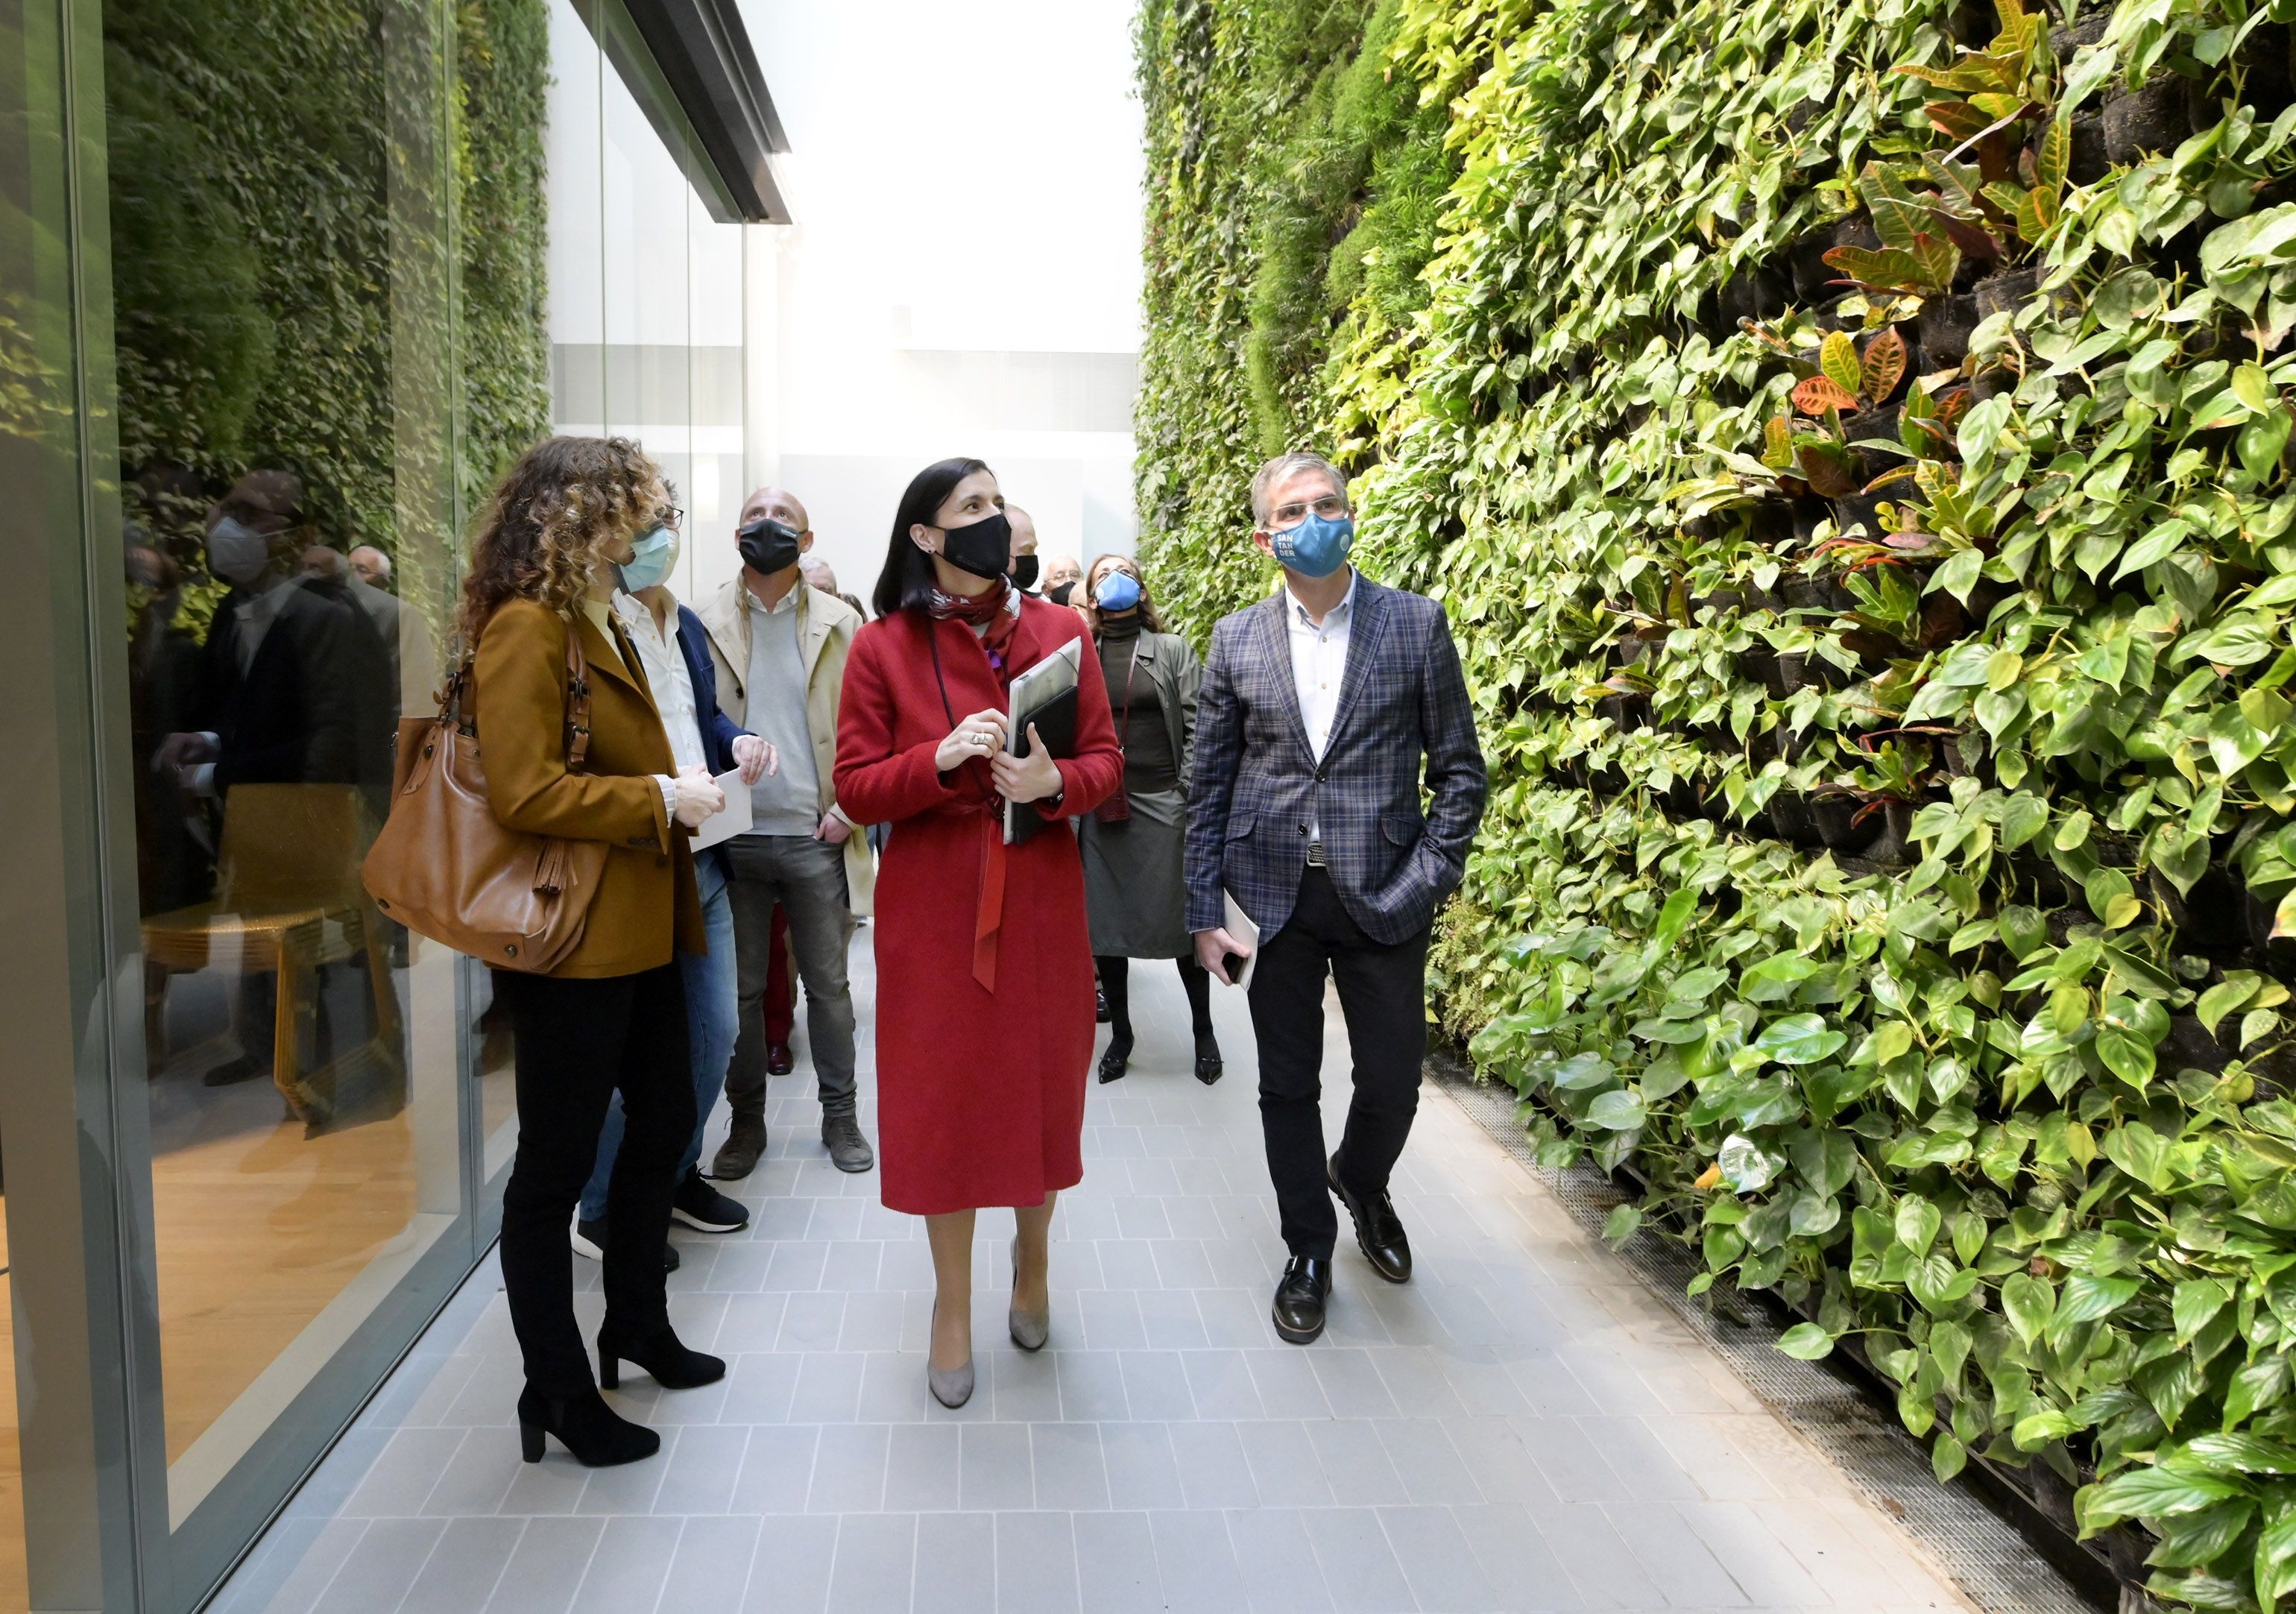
(1620, 1110)
(1800, 1039)
(1805, 1341)
(1916, 1222)
(2149, 1493)
(2029, 1303)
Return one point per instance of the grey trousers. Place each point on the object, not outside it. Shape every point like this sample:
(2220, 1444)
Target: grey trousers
(808, 878)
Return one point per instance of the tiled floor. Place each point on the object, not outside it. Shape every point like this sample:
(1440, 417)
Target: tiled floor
(1522, 1428)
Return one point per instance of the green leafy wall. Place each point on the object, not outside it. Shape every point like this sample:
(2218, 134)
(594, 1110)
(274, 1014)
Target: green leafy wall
(1852, 438)
(253, 249)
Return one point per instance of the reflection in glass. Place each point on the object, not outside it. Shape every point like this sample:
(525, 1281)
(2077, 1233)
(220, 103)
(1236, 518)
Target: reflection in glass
(277, 275)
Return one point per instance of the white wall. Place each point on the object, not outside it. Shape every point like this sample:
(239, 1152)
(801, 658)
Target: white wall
(965, 275)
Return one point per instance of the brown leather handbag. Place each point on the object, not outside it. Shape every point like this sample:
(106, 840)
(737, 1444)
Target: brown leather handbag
(444, 865)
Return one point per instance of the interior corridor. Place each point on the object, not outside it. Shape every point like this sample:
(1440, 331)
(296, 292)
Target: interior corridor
(1523, 1427)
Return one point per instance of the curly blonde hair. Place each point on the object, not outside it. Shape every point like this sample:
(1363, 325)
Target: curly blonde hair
(565, 500)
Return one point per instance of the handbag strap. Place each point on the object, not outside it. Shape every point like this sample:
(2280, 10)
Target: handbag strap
(578, 699)
(1124, 723)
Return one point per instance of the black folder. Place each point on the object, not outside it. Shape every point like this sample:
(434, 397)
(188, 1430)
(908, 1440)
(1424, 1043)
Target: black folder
(1055, 717)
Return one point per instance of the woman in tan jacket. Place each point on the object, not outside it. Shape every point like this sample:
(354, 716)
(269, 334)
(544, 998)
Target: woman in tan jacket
(612, 1016)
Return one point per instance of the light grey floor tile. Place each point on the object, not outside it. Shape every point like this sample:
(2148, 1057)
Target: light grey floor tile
(1036, 1563)
(1522, 1428)
(848, 1468)
(1358, 1565)
(956, 1564)
(1355, 1463)
(405, 1474)
(465, 1567)
(702, 1466)
(1195, 1558)
(1596, 1558)
(922, 1469)
(1287, 1471)
(1430, 1467)
(1213, 1471)
(995, 1467)
(1437, 1559)
(1277, 1563)
(710, 1569)
(1070, 1472)
(377, 1573)
(791, 1572)
(1116, 1564)
(776, 1469)
(547, 1567)
(1141, 1472)
(877, 1555)
(630, 1567)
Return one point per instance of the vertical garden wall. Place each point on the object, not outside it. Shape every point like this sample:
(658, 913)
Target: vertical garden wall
(252, 218)
(1852, 440)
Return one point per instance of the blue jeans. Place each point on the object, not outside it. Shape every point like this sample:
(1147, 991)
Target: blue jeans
(709, 1000)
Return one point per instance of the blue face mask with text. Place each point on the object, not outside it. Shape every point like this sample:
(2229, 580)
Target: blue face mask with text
(1118, 591)
(1317, 548)
(655, 554)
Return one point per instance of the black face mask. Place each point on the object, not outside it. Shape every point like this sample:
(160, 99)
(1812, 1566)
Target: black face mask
(1058, 594)
(984, 549)
(1024, 572)
(768, 546)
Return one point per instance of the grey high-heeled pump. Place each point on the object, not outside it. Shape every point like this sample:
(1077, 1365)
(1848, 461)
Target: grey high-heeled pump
(951, 1387)
(1029, 1329)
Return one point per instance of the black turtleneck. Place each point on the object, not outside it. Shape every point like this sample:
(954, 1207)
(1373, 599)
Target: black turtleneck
(1149, 763)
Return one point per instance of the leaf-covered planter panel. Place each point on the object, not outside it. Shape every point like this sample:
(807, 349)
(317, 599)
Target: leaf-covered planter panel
(1854, 447)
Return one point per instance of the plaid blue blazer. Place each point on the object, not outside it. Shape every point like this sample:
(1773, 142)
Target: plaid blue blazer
(1257, 786)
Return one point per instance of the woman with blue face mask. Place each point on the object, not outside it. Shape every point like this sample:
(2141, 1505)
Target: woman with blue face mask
(1132, 843)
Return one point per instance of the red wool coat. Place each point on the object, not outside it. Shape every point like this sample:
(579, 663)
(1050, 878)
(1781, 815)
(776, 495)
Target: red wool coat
(979, 1091)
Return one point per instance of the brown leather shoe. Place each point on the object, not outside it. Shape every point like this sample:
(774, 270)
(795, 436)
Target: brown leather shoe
(781, 1058)
(737, 1156)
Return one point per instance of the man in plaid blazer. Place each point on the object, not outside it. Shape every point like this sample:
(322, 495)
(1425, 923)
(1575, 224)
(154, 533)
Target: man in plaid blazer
(1318, 707)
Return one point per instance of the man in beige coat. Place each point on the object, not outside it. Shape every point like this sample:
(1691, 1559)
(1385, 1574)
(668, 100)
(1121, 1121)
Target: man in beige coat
(779, 649)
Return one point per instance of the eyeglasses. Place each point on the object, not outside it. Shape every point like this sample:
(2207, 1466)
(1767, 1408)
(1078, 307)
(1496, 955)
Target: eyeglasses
(673, 517)
(1331, 507)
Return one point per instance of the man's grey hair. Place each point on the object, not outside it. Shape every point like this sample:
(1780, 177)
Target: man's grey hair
(1283, 465)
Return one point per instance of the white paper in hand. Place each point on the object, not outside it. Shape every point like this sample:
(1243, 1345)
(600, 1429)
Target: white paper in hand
(1240, 926)
(729, 821)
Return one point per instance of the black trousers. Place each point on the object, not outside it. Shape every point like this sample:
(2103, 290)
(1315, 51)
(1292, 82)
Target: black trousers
(578, 1041)
(1383, 995)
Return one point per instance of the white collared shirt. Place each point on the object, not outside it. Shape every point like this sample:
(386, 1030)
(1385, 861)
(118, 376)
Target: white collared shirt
(665, 671)
(1319, 661)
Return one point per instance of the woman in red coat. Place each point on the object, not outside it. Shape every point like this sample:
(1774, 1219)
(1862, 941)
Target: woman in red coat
(984, 959)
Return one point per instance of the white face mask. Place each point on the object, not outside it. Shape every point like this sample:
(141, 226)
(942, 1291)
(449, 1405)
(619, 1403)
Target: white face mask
(236, 552)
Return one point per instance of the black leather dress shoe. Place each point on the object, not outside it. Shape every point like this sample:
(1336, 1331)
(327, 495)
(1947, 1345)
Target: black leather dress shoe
(1378, 1230)
(1300, 1296)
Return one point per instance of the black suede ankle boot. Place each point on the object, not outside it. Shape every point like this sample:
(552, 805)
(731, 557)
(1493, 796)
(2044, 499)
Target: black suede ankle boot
(594, 1432)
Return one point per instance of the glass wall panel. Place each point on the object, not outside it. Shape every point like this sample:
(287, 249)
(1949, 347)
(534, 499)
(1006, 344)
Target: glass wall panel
(278, 241)
(14, 1595)
(648, 292)
(717, 365)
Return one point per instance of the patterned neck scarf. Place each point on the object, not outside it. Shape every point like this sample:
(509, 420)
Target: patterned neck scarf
(996, 609)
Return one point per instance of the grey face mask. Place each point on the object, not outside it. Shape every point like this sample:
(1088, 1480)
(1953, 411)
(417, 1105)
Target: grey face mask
(236, 552)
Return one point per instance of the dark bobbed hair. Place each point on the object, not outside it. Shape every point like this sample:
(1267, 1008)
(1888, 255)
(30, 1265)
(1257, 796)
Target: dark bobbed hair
(908, 578)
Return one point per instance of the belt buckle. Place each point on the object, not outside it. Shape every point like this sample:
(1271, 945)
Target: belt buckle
(1315, 855)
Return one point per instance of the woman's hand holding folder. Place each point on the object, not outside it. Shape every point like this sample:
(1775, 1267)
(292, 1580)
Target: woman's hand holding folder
(1029, 778)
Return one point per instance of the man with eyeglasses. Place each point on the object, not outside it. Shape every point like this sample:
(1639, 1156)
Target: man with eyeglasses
(1319, 705)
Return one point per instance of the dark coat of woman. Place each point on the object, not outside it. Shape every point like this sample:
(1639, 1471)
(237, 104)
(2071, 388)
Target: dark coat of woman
(984, 965)
(1132, 873)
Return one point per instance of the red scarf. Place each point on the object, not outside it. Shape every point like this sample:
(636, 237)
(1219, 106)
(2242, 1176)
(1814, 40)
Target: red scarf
(997, 608)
